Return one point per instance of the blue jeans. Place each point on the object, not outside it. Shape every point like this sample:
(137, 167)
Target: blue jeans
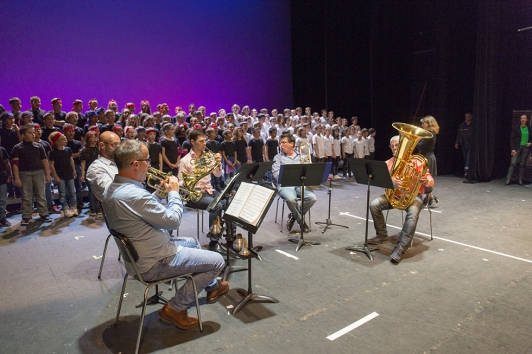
(205, 266)
(290, 194)
(409, 227)
(33, 186)
(67, 187)
(3, 200)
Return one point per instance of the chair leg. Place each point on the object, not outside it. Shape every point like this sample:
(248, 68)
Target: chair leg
(282, 216)
(196, 300)
(386, 220)
(103, 257)
(202, 222)
(277, 209)
(142, 318)
(121, 298)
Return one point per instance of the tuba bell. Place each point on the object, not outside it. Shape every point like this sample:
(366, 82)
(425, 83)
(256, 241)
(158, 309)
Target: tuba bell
(404, 166)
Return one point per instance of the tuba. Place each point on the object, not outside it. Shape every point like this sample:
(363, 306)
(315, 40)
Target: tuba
(304, 153)
(404, 166)
(201, 167)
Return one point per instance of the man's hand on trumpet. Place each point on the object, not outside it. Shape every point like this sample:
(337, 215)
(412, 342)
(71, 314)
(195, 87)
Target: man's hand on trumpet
(170, 184)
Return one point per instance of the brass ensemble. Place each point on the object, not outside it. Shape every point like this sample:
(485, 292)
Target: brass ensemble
(304, 153)
(404, 165)
(201, 166)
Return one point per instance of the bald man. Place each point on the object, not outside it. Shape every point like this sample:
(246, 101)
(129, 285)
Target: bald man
(103, 170)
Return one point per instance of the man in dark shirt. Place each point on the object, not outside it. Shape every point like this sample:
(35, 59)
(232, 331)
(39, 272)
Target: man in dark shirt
(31, 170)
(463, 140)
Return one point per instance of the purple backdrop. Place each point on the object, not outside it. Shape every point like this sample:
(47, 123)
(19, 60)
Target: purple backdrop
(212, 53)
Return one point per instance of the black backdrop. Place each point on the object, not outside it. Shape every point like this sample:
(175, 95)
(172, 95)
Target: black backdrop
(388, 61)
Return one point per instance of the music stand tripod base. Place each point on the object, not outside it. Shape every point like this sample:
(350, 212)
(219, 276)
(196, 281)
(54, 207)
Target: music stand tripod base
(302, 242)
(154, 299)
(328, 223)
(364, 249)
(251, 298)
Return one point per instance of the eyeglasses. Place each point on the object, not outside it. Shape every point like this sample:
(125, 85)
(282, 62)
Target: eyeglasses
(148, 160)
(283, 142)
(112, 144)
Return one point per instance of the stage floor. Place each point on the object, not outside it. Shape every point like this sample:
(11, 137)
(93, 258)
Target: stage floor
(466, 291)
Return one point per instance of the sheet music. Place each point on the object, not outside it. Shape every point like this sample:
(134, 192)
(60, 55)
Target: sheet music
(255, 205)
(249, 202)
(239, 199)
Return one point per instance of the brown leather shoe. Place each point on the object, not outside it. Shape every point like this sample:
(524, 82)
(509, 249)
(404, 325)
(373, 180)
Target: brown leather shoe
(214, 295)
(180, 318)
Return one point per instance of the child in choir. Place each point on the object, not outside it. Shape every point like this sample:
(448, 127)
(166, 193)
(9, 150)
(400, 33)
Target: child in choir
(92, 121)
(371, 139)
(336, 152)
(88, 155)
(64, 173)
(240, 147)
(229, 154)
(141, 133)
(169, 147)
(130, 133)
(359, 146)
(72, 118)
(75, 146)
(118, 130)
(272, 145)
(328, 145)
(365, 137)
(347, 145)
(318, 142)
(31, 170)
(49, 127)
(256, 147)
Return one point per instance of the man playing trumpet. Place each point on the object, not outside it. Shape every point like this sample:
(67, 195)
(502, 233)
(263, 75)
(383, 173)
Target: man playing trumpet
(139, 215)
(412, 212)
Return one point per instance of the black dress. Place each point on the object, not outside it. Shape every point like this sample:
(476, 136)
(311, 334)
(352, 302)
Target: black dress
(426, 148)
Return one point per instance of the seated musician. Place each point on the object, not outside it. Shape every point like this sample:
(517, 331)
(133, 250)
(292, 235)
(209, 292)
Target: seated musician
(289, 155)
(139, 215)
(412, 212)
(199, 143)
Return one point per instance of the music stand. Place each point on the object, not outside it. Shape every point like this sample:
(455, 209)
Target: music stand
(328, 221)
(248, 295)
(299, 175)
(374, 173)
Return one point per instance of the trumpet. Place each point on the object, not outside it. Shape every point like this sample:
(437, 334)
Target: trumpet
(154, 177)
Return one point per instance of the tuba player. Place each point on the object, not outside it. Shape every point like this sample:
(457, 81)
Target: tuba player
(412, 212)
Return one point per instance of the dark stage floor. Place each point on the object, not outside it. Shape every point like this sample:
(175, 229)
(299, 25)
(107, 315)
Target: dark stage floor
(467, 291)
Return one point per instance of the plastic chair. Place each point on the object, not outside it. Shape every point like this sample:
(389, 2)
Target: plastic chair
(130, 257)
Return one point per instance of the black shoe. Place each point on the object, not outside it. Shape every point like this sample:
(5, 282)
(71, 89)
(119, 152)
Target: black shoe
(25, 222)
(45, 218)
(377, 240)
(4, 222)
(397, 253)
(305, 228)
(290, 222)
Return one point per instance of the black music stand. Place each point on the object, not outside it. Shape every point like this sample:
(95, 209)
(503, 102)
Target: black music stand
(328, 222)
(374, 173)
(299, 175)
(249, 296)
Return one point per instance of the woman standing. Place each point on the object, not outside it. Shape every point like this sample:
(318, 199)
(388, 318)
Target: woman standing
(426, 148)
